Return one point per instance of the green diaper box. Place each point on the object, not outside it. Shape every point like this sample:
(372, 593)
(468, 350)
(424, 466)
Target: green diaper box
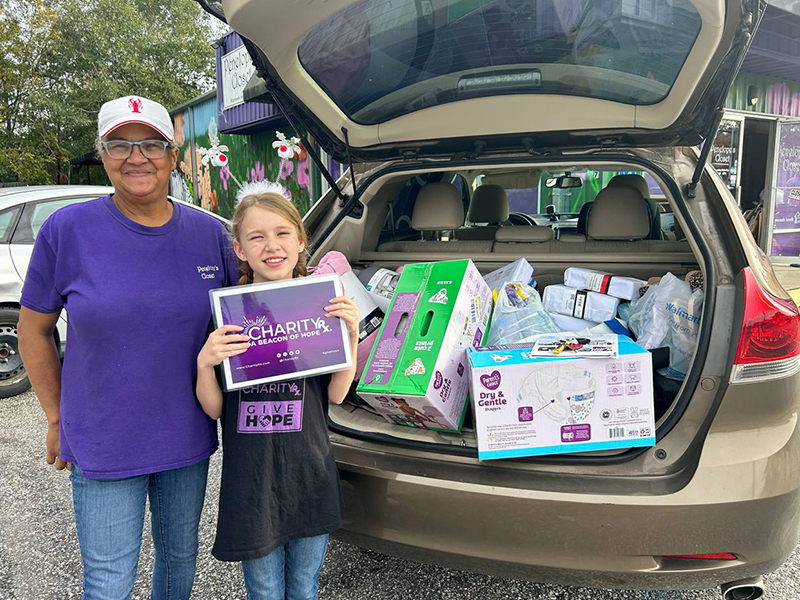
(416, 374)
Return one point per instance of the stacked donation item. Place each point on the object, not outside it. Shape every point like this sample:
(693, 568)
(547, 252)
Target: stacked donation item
(574, 370)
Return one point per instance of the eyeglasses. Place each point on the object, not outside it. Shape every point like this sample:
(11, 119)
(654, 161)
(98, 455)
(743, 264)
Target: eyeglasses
(121, 149)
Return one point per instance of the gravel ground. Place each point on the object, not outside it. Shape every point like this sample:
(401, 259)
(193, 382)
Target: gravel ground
(39, 557)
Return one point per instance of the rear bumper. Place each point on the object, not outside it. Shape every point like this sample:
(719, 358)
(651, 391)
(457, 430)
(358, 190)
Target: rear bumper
(750, 509)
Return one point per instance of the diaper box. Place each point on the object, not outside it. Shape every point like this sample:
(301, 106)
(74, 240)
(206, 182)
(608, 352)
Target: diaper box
(533, 406)
(416, 374)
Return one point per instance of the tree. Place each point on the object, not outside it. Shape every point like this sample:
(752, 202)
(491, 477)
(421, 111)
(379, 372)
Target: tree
(62, 59)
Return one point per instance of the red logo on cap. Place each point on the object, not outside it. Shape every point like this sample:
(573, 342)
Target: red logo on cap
(135, 104)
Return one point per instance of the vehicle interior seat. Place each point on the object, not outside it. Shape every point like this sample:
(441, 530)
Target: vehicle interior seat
(580, 235)
(640, 183)
(523, 239)
(438, 209)
(489, 208)
(619, 214)
(620, 221)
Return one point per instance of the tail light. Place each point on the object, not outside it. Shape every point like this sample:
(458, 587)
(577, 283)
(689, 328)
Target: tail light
(769, 342)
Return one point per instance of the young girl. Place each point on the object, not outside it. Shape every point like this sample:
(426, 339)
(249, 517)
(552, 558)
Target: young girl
(280, 495)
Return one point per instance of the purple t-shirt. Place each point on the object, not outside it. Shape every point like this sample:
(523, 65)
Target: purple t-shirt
(138, 311)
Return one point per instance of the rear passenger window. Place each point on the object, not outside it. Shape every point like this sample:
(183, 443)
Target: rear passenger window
(34, 216)
(7, 220)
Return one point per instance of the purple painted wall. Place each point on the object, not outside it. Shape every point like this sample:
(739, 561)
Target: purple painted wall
(246, 117)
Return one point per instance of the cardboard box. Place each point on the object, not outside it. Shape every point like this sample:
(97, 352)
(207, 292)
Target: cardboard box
(528, 406)
(416, 374)
(290, 337)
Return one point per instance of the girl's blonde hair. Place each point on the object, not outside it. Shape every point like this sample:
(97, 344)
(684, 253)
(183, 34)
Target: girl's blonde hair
(279, 205)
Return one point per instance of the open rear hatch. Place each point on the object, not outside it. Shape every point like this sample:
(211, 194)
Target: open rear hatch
(441, 77)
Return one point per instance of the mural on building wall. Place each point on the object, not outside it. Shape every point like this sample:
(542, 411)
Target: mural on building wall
(771, 95)
(249, 158)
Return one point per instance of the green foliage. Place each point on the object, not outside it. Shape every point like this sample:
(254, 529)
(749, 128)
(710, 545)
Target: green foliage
(60, 60)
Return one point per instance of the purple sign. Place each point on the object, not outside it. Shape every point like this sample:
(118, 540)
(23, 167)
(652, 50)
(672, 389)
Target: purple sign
(290, 336)
(787, 193)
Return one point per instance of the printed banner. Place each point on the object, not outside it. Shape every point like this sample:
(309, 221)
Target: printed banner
(787, 194)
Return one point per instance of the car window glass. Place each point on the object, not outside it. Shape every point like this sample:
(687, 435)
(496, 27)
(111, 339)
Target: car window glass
(568, 201)
(380, 59)
(7, 220)
(35, 214)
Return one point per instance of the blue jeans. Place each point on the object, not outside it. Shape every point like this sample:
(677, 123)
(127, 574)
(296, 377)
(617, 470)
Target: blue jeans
(290, 572)
(109, 515)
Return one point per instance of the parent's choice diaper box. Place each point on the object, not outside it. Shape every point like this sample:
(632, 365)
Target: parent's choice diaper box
(533, 406)
(416, 374)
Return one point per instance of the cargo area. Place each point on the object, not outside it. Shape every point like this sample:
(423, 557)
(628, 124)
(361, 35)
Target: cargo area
(603, 217)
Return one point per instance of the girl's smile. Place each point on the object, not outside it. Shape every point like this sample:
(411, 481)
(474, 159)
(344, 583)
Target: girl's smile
(269, 243)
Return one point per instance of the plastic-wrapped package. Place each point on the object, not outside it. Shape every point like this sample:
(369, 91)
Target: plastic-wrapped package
(669, 315)
(371, 315)
(567, 323)
(624, 311)
(380, 283)
(591, 306)
(625, 288)
(518, 316)
(519, 270)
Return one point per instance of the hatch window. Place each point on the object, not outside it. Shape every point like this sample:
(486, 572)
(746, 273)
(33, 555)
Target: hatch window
(380, 59)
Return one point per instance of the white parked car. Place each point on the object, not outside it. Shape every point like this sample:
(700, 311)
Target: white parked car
(23, 210)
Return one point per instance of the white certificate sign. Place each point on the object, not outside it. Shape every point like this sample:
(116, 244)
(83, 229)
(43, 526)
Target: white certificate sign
(237, 68)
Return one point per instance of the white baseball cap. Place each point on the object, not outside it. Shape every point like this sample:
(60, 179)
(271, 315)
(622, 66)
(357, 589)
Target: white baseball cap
(134, 109)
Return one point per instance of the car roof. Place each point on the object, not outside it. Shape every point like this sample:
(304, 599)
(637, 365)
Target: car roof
(20, 195)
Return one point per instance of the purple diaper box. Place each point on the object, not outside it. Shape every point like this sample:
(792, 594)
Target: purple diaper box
(290, 336)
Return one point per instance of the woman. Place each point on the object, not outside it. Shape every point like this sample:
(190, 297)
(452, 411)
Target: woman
(133, 271)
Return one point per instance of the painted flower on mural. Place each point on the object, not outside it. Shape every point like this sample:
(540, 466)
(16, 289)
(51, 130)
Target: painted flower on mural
(257, 173)
(287, 168)
(225, 175)
(303, 179)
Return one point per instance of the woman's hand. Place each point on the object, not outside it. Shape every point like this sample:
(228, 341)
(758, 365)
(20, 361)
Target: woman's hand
(220, 346)
(54, 448)
(347, 310)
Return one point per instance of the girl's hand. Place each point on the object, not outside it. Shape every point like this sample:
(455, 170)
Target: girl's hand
(347, 310)
(220, 346)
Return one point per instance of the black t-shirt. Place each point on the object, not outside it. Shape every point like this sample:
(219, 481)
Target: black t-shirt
(279, 478)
